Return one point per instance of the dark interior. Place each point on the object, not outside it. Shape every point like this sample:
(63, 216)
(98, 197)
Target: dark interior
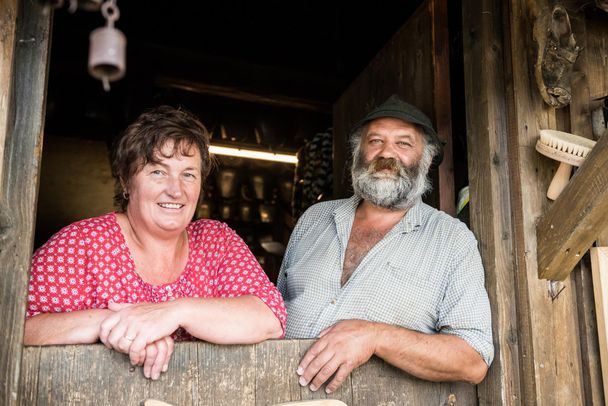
(259, 74)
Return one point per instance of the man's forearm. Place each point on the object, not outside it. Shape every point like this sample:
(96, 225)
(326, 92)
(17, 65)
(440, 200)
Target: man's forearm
(77, 327)
(433, 357)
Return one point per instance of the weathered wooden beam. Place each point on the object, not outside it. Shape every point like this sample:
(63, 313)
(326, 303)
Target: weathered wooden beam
(567, 230)
(8, 19)
(244, 95)
(22, 150)
(548, 333)
(443, 101)
(599, 266)
(490, 205)
(206, 374)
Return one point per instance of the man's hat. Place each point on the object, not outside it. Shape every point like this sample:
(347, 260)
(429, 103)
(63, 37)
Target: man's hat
(396, 108)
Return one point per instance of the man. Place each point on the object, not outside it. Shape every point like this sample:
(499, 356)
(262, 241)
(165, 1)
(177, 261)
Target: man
(384, 274)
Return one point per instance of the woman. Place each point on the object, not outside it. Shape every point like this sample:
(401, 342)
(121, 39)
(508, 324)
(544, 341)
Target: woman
(141, 277)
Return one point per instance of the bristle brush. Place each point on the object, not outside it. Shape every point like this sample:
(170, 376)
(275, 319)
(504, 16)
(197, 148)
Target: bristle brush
(569, 149)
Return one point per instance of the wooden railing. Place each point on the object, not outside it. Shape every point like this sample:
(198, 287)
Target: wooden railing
(208, 374)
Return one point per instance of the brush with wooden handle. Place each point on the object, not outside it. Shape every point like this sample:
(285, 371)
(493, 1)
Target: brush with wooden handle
(569, 149)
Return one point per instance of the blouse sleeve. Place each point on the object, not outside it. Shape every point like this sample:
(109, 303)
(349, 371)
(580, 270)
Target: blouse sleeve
(58, 275)
(240, 274)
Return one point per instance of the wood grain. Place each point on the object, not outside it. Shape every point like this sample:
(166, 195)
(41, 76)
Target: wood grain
(22, 143)
(208, 374)
(490, 203)
(570, 226)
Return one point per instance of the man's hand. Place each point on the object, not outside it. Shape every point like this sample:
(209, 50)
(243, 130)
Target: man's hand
(342, 348)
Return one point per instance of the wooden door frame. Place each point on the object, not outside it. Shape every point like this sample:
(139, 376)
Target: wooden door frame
(24, 66)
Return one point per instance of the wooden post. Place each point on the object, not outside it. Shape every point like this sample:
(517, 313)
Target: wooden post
(22, 142)
(550, 360)
(490, 190)
(599, 268)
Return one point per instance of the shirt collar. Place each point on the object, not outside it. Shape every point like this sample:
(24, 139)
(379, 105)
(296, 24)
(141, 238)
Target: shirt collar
(412, 221)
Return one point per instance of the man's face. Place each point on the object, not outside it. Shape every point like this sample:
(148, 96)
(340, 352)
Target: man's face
(389, 140)
(389, 170)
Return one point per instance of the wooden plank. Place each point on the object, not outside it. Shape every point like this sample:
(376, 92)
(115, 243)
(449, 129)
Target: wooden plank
(567, 230)
(235, 93)
(490, 190)
(208, 374)
(22, 146)
(443, 102)
(226, 376)
(597, 52)
(277, 368)
(550, 361)
(599, 266)
(8, 19)
(579, 118)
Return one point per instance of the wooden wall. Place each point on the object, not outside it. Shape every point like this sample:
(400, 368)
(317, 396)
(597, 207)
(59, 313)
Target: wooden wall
(207, 374)
(547, 350)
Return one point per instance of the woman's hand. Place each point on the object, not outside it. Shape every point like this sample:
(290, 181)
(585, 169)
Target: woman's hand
(157, 356)
(132, 327)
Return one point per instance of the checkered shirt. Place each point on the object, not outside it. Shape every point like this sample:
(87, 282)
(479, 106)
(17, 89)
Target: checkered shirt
(425, 275)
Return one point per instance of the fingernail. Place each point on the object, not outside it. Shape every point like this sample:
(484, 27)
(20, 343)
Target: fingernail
(300, 371)
(328, 391)
(165, 367)
(302, 381)
(313, 388)
(155, 376)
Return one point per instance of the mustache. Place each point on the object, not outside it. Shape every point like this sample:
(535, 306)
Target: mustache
(380, 164)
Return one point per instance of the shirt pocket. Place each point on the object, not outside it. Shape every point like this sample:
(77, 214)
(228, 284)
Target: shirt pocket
(404, 297)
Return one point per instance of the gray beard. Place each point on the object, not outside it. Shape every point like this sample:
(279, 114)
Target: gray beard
(396, 192)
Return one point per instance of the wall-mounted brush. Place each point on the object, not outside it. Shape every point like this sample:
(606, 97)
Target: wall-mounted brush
(569, 149)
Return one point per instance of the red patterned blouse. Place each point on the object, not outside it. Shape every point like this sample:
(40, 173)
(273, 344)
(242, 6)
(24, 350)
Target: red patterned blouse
(88, 264)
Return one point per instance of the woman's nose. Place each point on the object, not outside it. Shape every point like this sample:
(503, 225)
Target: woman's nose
(174, 187)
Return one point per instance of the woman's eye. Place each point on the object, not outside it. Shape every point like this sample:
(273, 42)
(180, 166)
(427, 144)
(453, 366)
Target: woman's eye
(157, 172)
(190, 175)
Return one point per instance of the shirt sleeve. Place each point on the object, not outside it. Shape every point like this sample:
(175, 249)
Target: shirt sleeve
(240, 274)
(465, 309)
(58, 275)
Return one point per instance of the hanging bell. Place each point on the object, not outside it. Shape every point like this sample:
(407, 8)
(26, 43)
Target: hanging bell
(107, 49)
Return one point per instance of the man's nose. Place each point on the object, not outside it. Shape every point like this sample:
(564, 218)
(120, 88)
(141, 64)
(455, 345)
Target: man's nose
(388, 151)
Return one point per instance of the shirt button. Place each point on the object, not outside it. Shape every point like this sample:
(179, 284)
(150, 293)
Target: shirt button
(333, 301)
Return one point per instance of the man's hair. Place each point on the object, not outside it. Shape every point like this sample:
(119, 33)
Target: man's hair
(142, 141)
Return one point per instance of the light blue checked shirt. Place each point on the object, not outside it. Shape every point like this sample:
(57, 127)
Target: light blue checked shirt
(424, 275)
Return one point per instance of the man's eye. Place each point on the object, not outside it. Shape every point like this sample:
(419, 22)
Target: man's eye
(375, 141)
(404, 144)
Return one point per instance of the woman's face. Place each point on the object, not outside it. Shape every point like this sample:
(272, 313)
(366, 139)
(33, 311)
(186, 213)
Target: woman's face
(163, 196)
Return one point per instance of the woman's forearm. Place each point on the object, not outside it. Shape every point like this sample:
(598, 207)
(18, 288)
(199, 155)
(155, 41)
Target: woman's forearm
(240, 320)
(77, 327)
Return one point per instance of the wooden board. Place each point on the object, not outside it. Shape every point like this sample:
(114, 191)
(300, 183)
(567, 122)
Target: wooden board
(550, 360)
(490, 203)
(599, 266)
(8, 19)
(407, 66)
(207, 374)
(597, 52)
(22, 143)
(570, 226)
